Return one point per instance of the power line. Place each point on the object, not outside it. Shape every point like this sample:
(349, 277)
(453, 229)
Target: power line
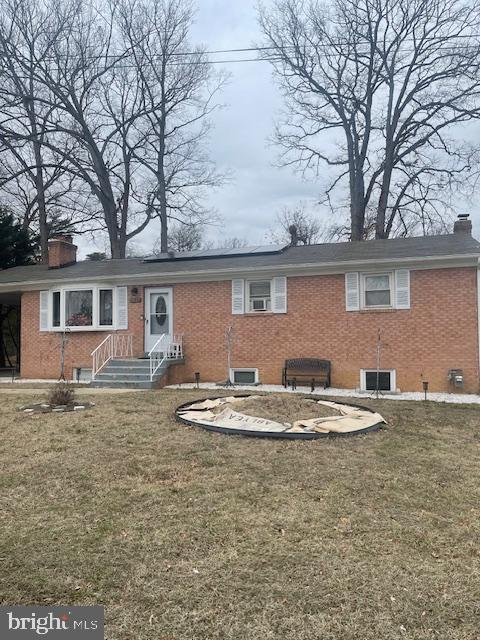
(241, 60)
(223, 62)
(281, 49)
(179, 54)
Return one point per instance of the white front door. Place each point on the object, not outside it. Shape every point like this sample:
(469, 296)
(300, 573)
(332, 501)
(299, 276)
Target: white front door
(158, 316)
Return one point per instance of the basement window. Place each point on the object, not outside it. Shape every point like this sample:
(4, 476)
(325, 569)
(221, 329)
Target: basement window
(244, 376)
(82, 374)
(383, 380)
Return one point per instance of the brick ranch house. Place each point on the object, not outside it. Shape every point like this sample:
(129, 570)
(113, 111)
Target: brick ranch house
(328, 301)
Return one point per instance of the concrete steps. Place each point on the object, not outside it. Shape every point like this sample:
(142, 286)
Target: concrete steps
(129, 374)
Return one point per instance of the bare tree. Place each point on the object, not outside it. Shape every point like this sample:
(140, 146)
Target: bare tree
(50, 55)
(179, 90)
(48, 202)
(33, 179)
(308, 229)
(70, 59)
(376, 90)
(182, 237)
(188, 237)
(232, 242)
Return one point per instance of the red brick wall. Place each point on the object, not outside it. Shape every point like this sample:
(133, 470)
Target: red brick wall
(438, 333)
(40, 351)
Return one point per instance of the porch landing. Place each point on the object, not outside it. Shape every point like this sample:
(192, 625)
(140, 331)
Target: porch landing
(131, 373)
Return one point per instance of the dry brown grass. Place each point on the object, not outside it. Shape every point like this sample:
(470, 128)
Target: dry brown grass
(280, 407)
(188, 535)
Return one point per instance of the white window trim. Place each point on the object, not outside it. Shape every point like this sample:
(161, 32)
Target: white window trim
(391, 277)
(95, 308)
(234, 369)
(247, 295)
(363, 379)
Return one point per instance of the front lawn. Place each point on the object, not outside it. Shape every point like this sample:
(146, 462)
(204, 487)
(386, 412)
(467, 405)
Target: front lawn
(187, 535)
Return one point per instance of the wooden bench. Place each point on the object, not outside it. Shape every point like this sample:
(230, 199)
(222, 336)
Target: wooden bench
(311, 369)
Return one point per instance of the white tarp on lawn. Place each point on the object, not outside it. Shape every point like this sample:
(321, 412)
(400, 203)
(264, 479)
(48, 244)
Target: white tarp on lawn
(348, 419)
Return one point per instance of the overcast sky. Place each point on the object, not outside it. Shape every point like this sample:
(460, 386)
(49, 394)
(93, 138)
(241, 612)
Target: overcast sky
(257, 190)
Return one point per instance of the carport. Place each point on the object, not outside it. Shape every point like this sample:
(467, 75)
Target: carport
(10, 333)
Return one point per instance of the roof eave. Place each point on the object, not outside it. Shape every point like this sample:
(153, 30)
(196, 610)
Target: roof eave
(324, 268)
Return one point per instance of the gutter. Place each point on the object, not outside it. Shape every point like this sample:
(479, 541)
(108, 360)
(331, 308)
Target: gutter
(205, 275)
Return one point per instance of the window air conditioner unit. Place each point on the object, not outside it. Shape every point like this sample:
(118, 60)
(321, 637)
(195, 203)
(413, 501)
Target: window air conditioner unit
(260, 304)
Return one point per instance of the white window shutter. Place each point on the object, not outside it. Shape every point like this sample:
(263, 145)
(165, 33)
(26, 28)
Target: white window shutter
(122, 308)
(238, 296)
(279, 295)
(352, 291)
(402, 289)
(44, 299)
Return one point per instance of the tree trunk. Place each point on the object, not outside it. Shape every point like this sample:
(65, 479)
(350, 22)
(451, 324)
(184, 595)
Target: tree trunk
(380, 229)
(357, 207)
(116, 236)
(161, 186)
(39, 181)
(104, 191)
(118, 245)
(163, 220)
(42, 209)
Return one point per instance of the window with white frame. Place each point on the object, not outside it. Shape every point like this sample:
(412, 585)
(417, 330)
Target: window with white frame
(56, 309)
(82, 374)
(259, 295)
(377, 290)
(381, 380)
(244, 376)
(79, 308)
(105, 307)
(82, 308)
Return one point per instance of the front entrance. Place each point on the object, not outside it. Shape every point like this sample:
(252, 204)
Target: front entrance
(158, 316)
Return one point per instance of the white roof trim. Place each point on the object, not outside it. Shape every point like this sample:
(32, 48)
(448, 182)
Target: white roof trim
(205, 275)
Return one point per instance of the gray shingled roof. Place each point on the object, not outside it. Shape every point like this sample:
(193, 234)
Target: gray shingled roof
(457, 244)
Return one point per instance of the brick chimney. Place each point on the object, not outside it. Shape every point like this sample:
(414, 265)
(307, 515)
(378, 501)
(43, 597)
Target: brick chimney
(61, 251)
(463, 224)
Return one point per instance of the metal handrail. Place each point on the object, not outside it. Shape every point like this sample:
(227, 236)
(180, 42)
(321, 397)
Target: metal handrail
(165, 349)
(158, 354)
(115, 345)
